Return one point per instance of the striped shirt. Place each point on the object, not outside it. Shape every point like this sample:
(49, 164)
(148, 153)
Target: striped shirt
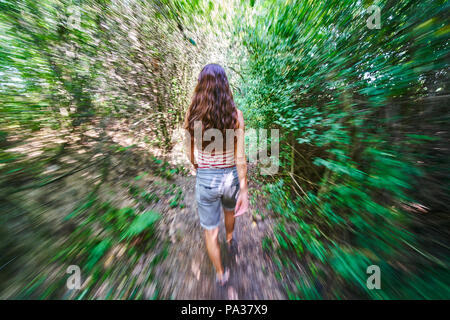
(220, 160)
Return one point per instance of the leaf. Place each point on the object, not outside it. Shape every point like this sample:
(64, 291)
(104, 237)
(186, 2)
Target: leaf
(142, 222)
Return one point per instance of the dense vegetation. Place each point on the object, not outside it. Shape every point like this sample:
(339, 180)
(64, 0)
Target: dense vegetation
(362, 113)
(364, 118)
(71, 70)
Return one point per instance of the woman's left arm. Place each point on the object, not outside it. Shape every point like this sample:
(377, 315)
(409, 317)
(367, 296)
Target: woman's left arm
(241, 166)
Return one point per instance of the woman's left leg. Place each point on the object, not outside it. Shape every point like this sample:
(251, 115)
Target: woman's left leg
(212, 246)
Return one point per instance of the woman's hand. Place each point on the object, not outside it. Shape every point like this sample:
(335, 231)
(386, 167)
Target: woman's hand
(242, 203)
(194, 171)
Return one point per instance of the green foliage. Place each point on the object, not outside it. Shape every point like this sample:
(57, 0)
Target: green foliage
(346, 99)
(142, 222)
(97, 253)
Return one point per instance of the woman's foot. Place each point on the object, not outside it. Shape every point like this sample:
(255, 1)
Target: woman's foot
(232, 247)
(223, 279)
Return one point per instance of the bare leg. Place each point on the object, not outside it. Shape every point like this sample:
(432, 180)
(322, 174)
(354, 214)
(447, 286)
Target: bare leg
(229, 224)
(212, 245)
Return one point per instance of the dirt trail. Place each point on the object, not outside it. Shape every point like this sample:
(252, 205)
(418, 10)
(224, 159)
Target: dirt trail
(187, 270)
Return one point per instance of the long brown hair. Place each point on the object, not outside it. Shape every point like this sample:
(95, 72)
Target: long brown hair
(212, 103)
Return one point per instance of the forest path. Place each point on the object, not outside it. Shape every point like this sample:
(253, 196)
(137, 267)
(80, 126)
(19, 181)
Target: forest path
(187, 272)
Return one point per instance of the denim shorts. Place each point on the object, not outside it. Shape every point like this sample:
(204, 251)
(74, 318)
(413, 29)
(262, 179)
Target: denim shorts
(215, 189)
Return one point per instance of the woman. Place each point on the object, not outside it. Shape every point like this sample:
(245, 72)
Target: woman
(215, 146)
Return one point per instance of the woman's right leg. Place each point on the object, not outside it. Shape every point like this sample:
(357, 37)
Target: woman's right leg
(229, 223)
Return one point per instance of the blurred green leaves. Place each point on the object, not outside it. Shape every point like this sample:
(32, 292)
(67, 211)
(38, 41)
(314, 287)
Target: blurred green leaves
(356, 141)
(142, 222)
